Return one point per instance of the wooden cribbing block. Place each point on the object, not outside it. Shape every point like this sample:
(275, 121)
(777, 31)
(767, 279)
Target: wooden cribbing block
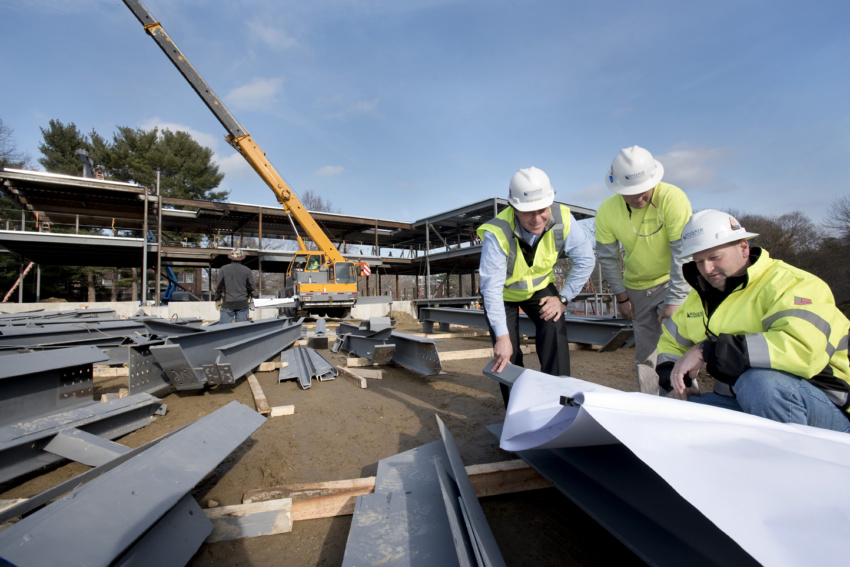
(269, 366)
(358, 379)
(260, 400)
(358, 362)
(282, 410)
(250, 520)
(109, 372)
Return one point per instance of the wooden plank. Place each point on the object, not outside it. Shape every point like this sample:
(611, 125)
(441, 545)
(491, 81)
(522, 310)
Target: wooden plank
(270, 366)
(301, 491)
(278, 411)
(260, 400)
(250, 520)
(359, 380)
(337, 498)
(479, 353)
(358, 362)
(504, 478)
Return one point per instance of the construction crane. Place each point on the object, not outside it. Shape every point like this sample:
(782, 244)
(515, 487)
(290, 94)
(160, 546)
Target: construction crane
(321, 282)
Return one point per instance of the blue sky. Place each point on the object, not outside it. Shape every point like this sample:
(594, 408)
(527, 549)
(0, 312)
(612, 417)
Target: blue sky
(400, 109)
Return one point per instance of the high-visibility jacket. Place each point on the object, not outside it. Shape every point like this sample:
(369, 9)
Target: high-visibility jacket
(523, 280)
(780, 317)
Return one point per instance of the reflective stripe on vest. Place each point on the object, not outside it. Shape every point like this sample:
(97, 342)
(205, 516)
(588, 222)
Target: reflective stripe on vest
(520, 286)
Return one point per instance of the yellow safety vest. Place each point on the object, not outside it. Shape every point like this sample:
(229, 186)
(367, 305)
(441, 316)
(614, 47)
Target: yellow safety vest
(788, 319)
(523, 280)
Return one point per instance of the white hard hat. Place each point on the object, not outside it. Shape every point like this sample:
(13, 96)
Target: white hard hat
(634, 171)
(530, 190)
(709, 228)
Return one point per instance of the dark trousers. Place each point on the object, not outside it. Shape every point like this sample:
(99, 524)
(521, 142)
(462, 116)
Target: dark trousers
(553, 349)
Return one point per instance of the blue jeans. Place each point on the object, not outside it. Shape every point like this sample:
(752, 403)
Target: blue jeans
(229, 315)
(781, 397)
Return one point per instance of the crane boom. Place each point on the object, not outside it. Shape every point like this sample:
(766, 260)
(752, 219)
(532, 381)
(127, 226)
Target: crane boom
(237, 136)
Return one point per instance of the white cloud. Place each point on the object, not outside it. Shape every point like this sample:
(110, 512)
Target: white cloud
(692, 167)
(271, 36)
(330, 171)
(259, 94)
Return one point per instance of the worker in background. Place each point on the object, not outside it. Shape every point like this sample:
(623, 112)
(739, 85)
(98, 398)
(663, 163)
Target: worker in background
(518, 254)
(235, 286)
(646, 217)
(769, 333)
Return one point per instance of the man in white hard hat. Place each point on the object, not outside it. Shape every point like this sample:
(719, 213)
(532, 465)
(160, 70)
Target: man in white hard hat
(235, 286)
(769, 333)
(518, 254)
(646, 217)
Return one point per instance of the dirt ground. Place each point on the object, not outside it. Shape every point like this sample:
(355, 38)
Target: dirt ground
(340, 431)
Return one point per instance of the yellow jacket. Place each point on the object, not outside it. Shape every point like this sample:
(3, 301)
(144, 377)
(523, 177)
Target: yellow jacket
(778, 317)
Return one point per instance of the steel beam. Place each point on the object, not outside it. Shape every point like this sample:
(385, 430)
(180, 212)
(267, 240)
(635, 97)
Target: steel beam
(45, 382)
(55, 492)
(45, 315)
(145, 373)
(416, 353)
(580, 329)
(237, 359)
(483, 542)
(305, 364)
(77, 445)
(33, 336)
(223, 353)
(636, 505)
(423, 511)
(79, 529)
(375, 349)
(22, 444)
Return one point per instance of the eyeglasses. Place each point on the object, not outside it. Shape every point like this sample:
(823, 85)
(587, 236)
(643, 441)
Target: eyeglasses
(660, 221)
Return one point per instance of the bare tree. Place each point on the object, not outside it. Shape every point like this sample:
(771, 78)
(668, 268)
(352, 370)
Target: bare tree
(9, 154)
(786, 237)
(838, 217)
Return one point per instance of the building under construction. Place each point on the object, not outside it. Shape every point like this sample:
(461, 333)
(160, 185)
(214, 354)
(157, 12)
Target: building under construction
(82, 221)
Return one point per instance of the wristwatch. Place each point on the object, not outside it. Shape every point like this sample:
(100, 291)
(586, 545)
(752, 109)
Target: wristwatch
(563, 299)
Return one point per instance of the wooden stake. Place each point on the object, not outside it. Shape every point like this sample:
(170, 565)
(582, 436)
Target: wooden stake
(259, 397)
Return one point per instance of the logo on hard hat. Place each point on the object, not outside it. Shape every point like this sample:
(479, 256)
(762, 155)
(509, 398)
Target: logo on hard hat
(733, 224)
(537, 191)
(637, 175)
(692, 233)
